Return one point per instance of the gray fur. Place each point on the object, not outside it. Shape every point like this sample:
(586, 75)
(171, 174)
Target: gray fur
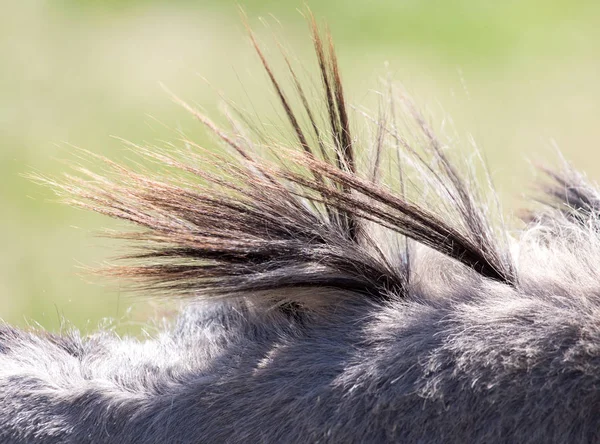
(325, 306)
(478, 362)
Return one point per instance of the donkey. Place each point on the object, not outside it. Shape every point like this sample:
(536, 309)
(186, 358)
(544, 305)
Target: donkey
(336, 290)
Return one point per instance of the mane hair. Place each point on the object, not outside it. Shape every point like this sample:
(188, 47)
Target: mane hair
(335, 289)
(303, 221)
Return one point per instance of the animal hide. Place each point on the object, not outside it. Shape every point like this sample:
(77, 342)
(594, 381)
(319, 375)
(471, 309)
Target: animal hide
(335, 289)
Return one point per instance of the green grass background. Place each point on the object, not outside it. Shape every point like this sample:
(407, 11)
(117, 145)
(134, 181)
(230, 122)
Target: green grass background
(515, 74)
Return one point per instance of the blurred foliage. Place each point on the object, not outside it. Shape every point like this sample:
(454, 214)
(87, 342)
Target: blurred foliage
(455, 28)
(74, 72)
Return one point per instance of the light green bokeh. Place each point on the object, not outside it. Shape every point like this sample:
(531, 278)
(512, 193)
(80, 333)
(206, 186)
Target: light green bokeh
(516, 74)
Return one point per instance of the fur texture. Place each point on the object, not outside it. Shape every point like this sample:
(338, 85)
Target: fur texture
(336, 290)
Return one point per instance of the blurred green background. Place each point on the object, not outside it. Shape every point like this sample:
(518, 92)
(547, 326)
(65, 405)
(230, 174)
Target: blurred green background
(516, 74)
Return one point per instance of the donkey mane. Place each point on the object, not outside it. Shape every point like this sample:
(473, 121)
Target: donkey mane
(336, 290)
(303, 220)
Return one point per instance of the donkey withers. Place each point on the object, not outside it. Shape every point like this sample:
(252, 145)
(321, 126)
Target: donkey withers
(337, 290)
